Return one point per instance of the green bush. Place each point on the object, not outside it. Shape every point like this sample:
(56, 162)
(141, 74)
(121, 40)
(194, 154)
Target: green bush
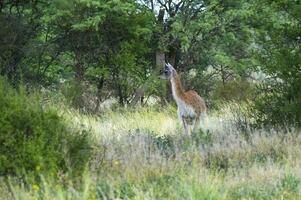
(35, 139)
(217, 162)
(165, 144)
(280, 107)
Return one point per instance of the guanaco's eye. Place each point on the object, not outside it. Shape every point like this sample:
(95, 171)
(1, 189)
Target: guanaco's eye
(166, 72)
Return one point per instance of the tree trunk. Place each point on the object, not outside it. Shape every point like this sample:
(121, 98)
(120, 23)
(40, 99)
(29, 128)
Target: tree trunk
(120, 94)
(78, 82)
(99, 86)
(79, 73)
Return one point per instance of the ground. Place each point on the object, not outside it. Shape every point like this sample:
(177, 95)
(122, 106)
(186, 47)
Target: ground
(142, 154)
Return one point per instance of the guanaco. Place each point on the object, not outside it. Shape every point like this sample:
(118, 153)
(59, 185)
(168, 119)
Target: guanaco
(190, 105)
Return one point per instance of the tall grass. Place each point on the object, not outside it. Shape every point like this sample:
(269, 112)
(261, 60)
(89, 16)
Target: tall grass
(143, 154)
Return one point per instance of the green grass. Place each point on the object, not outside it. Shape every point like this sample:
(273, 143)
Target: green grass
(142, 154)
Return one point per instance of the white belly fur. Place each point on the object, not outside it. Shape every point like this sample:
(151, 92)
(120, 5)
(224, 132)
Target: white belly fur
(184, 109)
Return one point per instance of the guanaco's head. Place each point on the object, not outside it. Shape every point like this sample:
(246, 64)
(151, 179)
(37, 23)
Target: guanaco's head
(166, 74)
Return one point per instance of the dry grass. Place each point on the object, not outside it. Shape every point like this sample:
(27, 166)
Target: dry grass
(142, 154)
(112, 123)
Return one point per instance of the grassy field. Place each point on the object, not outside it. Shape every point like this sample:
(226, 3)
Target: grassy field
(142, 154)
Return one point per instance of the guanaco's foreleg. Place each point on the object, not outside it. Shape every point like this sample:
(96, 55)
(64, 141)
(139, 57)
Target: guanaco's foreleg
(196, 125)
(185, 125)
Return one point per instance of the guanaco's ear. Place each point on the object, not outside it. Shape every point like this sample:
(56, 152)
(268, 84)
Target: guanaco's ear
(169, 66)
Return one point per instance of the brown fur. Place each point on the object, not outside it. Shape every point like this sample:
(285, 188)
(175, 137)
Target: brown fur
(190, 97)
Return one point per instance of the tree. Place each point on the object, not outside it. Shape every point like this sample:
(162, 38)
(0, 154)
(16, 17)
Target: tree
(18, 27)
(278, 31)
(107, 41)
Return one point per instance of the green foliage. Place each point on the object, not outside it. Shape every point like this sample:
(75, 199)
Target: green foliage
(117, 35)
(202, 137)
(122, 190)
(35, 139)
(103, 190)
(253, 192)
(217, 161)
(287, 188)
(73, 93)
(12, 45)
(111, 47)
(278, 38)
(165, 144)
(290, 183)
(277, 109)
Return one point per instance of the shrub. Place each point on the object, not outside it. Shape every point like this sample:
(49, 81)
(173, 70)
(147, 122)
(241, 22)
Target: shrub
(278, 108)
(165, 144)
(217, 161)
(236, 90)
(35, 139)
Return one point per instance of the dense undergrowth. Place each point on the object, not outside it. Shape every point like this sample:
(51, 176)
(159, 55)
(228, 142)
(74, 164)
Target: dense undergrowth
(35, 139)
(51, 151)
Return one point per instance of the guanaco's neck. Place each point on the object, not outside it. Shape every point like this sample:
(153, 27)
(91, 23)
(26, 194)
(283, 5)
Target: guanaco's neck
(177, 88)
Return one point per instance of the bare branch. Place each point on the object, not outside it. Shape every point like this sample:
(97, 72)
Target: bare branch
(163, 5)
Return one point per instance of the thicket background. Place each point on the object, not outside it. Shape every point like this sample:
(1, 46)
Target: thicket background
(96, 50)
